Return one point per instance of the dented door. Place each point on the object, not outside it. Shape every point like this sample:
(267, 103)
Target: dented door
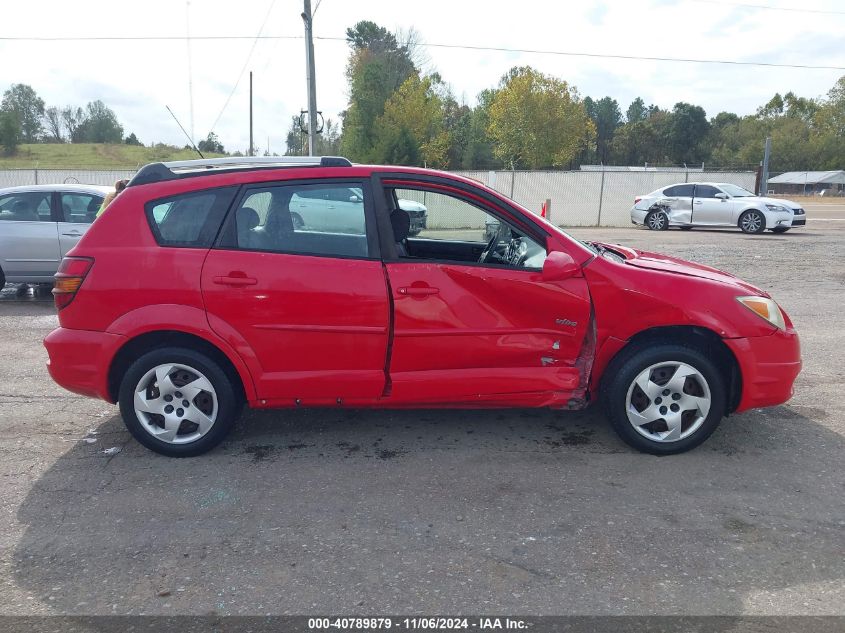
(470, 333)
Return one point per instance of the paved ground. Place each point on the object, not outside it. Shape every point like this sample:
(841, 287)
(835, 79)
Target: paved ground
(525, 512)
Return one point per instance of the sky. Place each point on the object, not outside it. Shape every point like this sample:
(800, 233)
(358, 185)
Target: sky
(205, 81)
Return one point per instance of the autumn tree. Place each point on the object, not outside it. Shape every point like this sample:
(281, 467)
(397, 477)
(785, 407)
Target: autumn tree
(537, 121)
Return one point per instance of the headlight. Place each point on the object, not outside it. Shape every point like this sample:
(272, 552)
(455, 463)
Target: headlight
(776, 207)
(765, 308)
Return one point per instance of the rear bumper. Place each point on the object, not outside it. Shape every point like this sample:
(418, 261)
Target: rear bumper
(80, 360)
(769, 366)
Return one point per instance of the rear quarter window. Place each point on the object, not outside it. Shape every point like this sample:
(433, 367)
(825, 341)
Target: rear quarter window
(191, 219)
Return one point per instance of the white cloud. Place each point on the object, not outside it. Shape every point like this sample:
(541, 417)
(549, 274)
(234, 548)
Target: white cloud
(138, 78)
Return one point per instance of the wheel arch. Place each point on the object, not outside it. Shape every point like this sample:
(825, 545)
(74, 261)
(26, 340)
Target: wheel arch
(696, 337)
(135, 347)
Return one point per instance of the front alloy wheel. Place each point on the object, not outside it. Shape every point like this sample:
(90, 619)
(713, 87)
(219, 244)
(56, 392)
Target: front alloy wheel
(752, 222)
(663, 399)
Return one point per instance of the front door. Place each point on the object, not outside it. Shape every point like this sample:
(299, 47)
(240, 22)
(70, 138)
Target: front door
(29, 241)
(476, 322)
(708, 209)
(307, 309)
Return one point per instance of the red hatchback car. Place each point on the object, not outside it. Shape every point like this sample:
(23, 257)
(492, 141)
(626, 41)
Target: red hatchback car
(293, 283)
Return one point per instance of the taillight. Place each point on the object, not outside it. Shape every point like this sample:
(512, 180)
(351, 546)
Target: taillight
(69, 277)
(636, 200)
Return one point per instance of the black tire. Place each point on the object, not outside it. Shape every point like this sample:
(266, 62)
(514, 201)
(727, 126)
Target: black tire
(657, 220)
(625, 368)
(752, 221)
(229, 403)
(781, 229)
(686, 228)
(2, 279)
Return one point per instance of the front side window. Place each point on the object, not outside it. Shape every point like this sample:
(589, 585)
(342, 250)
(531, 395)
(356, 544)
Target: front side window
(190, 219)
(321, 219)
(706, 191)
(459, 229)
(26, 207)
(80, 207)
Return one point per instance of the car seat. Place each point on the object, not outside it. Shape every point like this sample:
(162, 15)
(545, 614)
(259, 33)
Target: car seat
(247, 220)
(400, 220)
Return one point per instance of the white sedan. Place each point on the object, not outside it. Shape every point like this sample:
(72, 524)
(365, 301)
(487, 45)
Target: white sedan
(686, 205)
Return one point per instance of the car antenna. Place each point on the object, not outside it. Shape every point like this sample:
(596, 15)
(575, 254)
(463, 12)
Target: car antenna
(183, 130)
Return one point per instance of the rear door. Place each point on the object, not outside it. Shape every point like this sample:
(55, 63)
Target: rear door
(710, 210)
(679, 200)
(306, 307)
(77, 211)
(29, 242)
(472, 331)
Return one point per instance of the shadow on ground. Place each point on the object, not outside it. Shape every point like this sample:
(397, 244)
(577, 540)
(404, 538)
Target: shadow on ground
(440, 512)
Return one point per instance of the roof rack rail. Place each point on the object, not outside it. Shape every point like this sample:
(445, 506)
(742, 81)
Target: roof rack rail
(172, 170)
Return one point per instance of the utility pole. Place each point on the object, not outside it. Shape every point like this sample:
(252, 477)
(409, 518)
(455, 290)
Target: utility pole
(764, 180)
(307, 17)
(251, 145)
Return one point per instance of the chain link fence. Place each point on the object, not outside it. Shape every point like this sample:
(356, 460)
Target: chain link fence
(578, 198)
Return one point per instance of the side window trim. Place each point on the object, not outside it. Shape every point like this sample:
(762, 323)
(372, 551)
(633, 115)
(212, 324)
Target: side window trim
(227, 236)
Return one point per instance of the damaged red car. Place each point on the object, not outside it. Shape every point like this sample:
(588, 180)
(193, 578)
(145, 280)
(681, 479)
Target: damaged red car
(278, 283)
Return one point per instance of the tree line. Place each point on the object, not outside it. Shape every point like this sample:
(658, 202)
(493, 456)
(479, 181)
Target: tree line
(397, 114)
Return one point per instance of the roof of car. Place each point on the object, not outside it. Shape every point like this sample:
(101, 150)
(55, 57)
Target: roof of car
(73, 188)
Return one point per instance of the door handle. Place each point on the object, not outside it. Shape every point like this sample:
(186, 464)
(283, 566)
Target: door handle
(235, 280)
(73, 234)
(416, 291)
(699, 202)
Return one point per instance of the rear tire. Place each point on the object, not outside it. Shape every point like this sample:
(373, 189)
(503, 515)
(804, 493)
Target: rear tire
(752, 222)
(178, 402)
(663, 399)
(657, 220)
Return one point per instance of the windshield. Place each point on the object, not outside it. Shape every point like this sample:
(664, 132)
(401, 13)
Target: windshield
(737, 192)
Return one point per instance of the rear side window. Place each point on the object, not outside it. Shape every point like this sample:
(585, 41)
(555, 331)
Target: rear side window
(191, 219)
(26, 207)
(679, 191)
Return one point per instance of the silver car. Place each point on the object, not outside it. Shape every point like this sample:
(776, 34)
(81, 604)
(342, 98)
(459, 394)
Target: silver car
(39, 224)
(687, 205)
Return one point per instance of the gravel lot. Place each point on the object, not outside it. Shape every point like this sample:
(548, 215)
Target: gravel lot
(516, 512)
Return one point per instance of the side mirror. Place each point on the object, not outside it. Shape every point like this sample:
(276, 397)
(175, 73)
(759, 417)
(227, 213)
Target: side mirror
(354, 198)
(722, 196)
(559, 266)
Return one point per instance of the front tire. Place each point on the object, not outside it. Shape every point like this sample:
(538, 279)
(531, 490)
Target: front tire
(663, 399)
(752, 222)
(657, 220)
(178, 402)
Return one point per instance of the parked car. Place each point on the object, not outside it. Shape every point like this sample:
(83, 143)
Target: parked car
(687, 205)
(182, 303)
(39, 224)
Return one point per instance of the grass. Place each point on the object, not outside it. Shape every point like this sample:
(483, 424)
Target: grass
(92, 156)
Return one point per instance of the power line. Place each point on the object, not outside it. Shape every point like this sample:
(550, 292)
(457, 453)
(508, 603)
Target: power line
(500, 49)
(767, 7)
(246, 63)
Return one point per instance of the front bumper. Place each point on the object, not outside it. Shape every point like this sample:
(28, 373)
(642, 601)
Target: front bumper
(768, 365)
(80, 360)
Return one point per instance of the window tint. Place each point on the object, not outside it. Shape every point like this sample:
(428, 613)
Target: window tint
(190, 219)
(80, 207)
(26, 207)
(706, 191)
(309, 220)
(679, 191)
(452, 224)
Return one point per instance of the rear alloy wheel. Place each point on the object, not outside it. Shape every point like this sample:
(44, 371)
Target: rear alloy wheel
(781, 229)
(657, 221)
(178, 402)
(752, 222)
(665, 399)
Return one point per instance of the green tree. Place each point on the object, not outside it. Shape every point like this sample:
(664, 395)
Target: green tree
(132, 140)
(211, 144)
(10, 132)
(100, 124)
(378, 65)
(606, 117)
(537, 121)
(688, 134)
(636, 111)
(53, 123)
(29, 109)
